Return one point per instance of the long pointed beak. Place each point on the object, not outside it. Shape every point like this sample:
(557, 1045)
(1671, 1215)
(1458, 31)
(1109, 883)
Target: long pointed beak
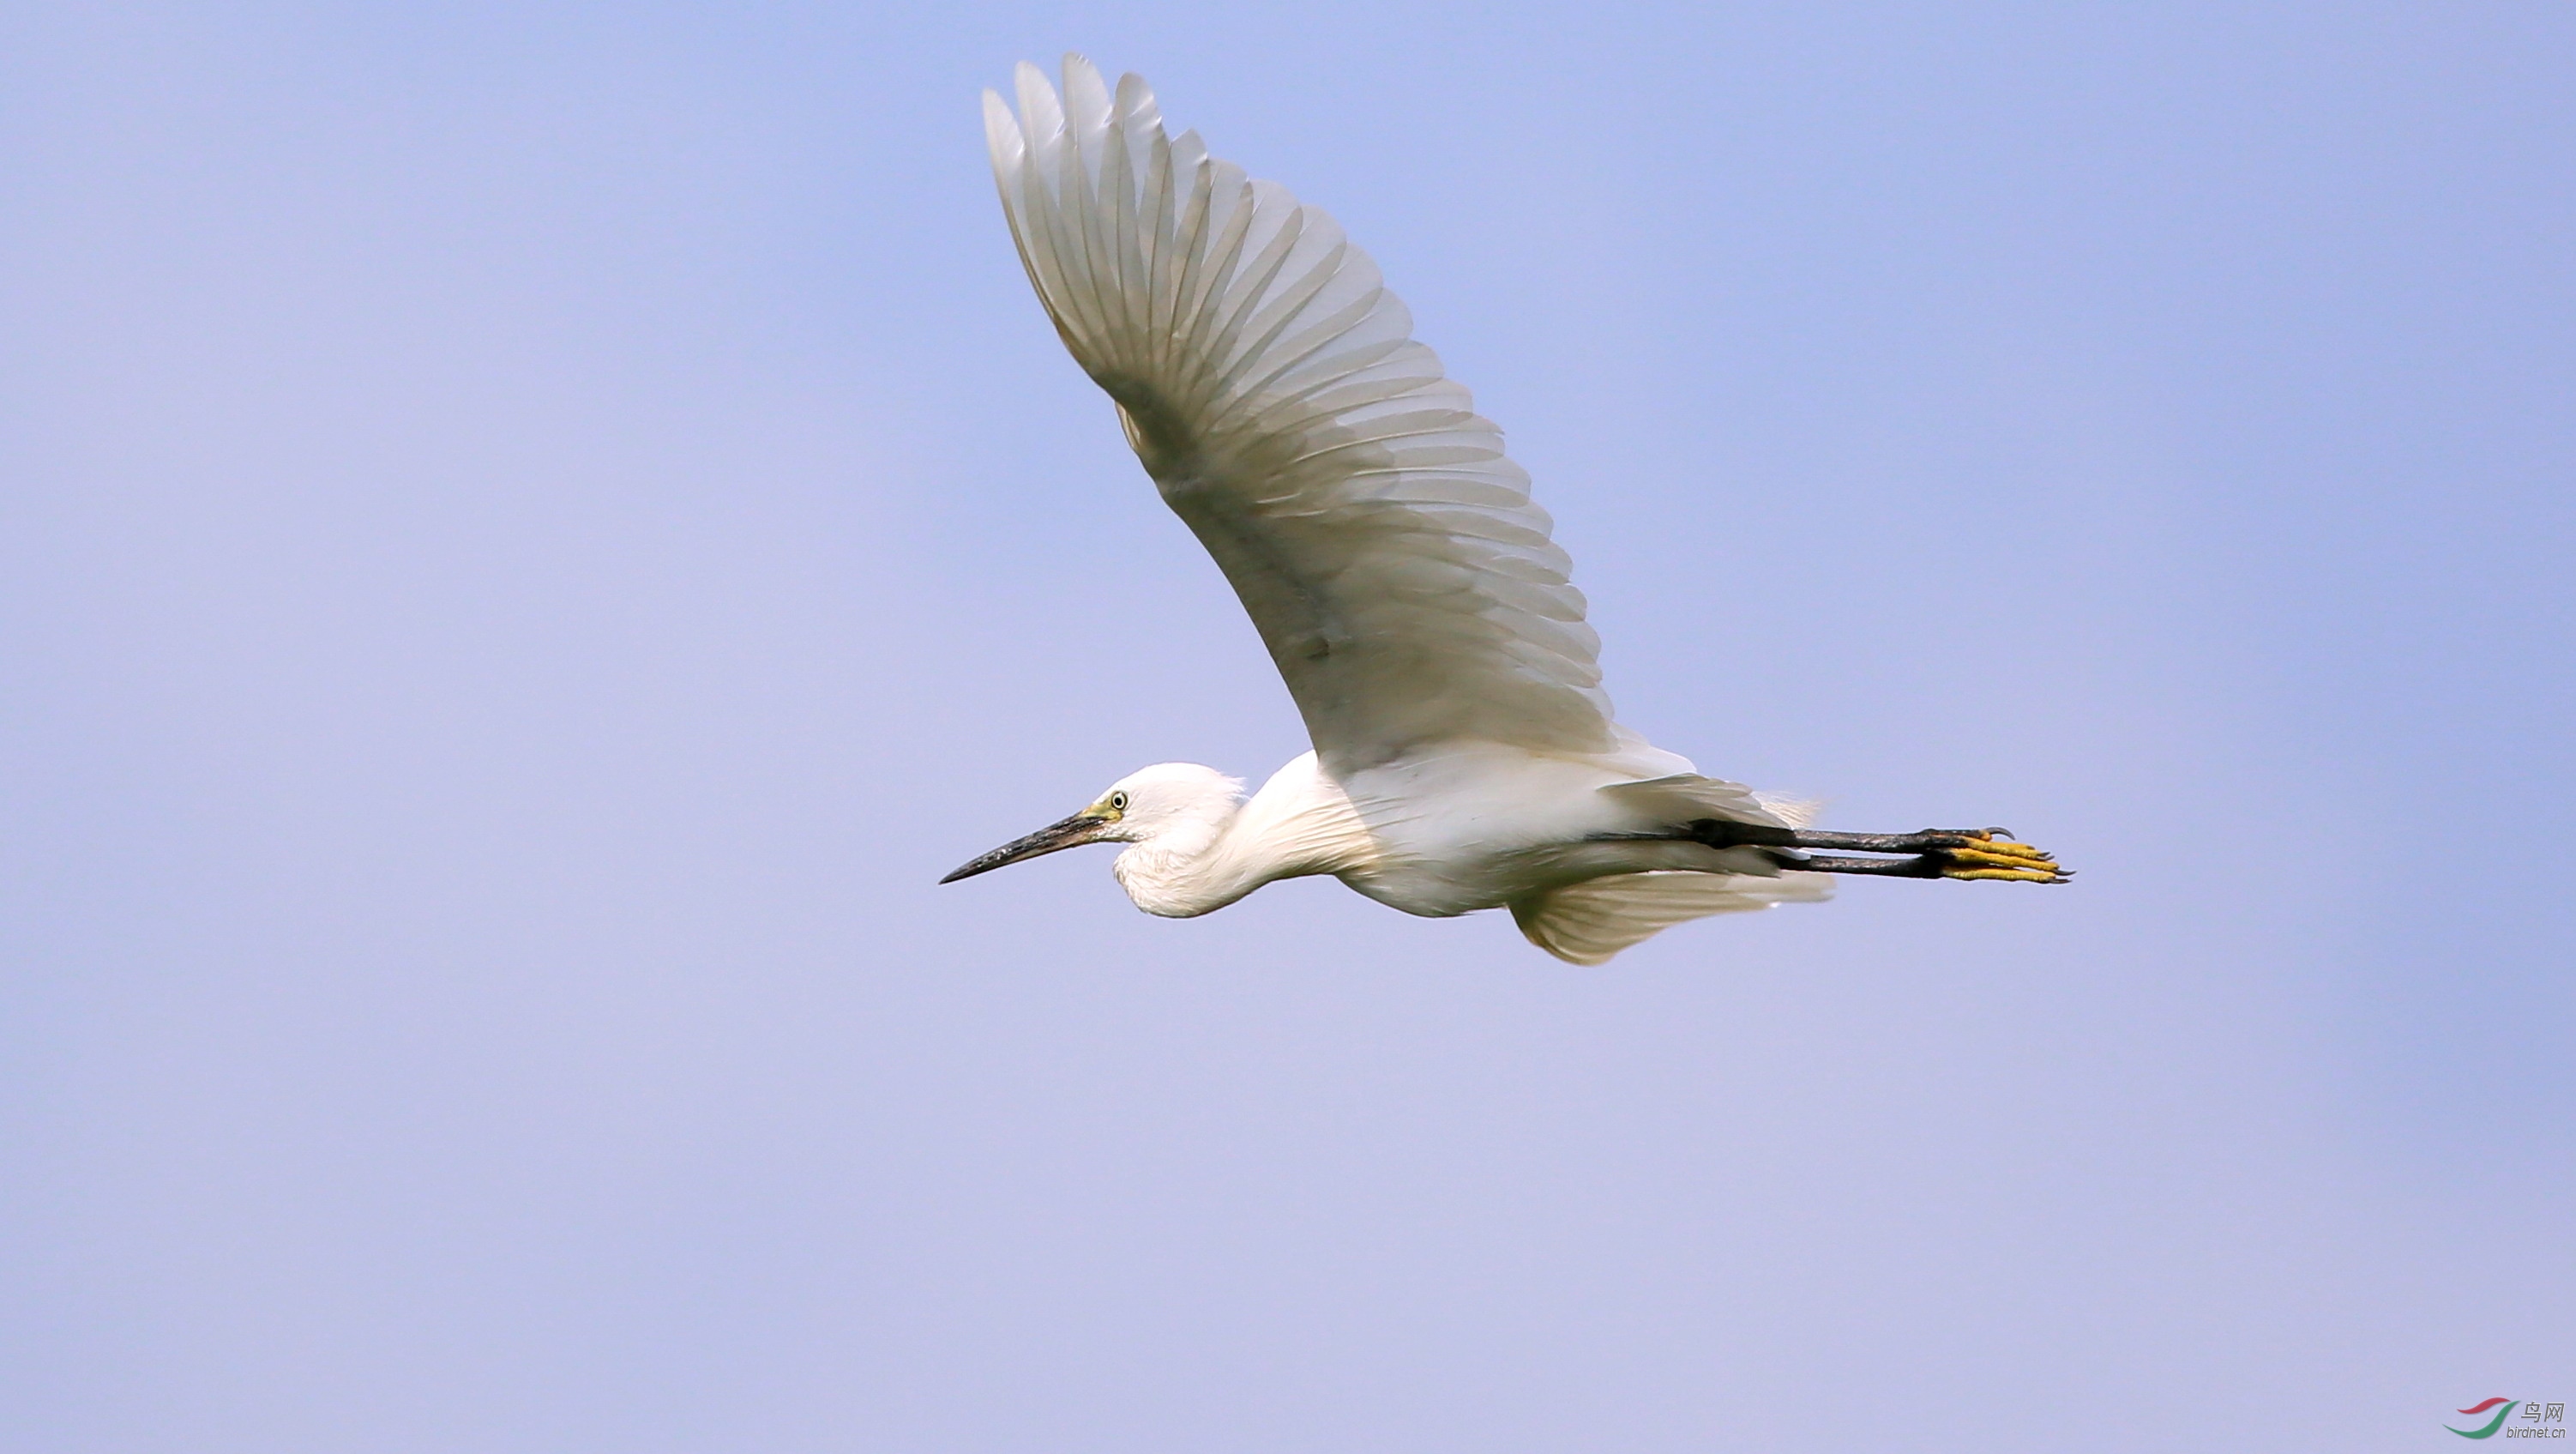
(1073, 832)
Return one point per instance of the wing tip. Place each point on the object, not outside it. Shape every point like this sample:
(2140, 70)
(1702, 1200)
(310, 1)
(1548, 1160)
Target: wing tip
(1002, 131)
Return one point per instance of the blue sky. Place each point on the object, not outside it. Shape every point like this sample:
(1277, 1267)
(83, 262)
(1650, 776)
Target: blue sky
(529, 540)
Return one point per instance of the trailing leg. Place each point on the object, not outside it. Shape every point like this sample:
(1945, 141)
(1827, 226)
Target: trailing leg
(1962, 853)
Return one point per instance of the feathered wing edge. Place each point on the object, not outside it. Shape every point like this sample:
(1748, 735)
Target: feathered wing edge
(1231, 323)
(1170, 273)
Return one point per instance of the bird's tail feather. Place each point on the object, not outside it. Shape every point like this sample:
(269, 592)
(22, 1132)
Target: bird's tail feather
(1681, 797)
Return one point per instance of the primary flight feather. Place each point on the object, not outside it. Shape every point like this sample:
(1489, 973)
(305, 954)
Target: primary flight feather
(1392, 560)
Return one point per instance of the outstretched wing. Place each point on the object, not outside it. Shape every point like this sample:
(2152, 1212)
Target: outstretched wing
(1387, 551)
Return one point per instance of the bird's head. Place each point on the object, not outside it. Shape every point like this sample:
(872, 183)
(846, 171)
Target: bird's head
(1179, 801)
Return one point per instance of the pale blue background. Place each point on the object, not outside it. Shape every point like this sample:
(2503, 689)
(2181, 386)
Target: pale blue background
(529, 540)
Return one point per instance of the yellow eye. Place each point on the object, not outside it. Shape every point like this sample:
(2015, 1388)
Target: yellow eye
(1118, 802)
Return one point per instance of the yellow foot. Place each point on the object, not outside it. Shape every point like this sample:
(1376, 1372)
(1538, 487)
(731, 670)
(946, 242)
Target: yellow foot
(1990, 853)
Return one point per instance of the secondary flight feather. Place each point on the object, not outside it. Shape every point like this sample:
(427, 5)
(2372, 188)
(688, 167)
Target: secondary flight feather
(1387, 550)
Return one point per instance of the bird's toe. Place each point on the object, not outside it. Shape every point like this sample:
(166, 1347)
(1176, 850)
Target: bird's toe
(1989, 853)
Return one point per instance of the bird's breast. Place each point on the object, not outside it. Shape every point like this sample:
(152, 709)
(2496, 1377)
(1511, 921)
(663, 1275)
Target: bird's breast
(1433, 892)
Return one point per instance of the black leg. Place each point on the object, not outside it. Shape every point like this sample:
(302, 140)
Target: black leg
(1921, 865)
(1963, 853)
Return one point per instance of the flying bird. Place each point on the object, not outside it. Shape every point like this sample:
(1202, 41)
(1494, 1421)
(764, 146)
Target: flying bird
(1464, 756)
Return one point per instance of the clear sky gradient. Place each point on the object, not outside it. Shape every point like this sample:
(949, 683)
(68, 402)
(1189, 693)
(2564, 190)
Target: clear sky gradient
(530, 538)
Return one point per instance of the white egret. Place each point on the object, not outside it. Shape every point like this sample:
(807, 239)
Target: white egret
(1464, 755)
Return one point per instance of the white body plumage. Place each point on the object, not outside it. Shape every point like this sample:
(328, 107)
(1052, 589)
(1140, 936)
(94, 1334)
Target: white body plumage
(1435, 834)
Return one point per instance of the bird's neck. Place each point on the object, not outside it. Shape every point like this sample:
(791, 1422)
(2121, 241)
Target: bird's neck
(1298, 824)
